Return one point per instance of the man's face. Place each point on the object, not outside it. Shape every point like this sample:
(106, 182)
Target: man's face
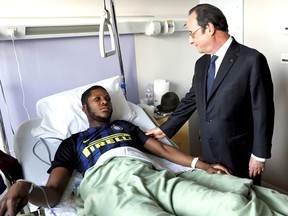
(198, 36)
(99, 106)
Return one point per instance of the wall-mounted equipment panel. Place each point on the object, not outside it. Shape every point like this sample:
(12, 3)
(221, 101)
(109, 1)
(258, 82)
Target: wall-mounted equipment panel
(73, 27)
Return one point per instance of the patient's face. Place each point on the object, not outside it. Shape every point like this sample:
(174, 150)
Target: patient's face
(99, 106)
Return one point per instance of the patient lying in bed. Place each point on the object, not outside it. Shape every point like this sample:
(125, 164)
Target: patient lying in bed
(119, 179)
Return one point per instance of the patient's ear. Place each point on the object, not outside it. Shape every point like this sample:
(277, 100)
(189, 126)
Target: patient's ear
(84, 108)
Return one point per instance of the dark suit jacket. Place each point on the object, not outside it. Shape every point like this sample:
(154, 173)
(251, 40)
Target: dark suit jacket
(238, 117)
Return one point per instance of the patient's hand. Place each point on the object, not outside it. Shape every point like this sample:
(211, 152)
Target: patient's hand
(220, 169)
(10, 167)
(212, 168)
(157, 133)
(15, 199)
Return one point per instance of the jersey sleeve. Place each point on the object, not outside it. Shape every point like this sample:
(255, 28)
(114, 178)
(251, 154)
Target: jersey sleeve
(65, 156)
(138, 135)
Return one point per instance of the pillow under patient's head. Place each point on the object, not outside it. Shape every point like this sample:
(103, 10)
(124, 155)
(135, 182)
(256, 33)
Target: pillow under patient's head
(62, 113)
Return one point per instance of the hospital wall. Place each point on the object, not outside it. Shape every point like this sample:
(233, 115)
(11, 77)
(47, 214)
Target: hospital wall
(52, 65)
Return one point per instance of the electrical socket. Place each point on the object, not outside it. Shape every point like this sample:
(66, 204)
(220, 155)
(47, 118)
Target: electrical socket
(11, 31)
(8, 30)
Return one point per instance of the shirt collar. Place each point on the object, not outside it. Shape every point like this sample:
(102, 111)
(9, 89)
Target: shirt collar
(221, 53)
(223, 49)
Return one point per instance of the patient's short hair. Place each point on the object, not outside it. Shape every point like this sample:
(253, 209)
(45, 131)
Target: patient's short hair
(87, 93)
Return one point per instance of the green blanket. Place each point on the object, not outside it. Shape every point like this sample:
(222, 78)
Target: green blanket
(129, 187)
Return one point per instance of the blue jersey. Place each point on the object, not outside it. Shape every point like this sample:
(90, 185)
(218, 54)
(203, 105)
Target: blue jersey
(82, 150)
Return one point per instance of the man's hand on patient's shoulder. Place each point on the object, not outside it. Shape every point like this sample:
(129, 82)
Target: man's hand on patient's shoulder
(157, 133)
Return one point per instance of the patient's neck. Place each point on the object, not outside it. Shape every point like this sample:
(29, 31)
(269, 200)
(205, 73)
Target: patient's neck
(97, 123)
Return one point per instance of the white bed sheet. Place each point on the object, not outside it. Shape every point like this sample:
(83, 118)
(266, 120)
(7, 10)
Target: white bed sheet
(36, 170)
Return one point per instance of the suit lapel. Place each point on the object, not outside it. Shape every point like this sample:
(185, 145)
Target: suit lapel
(227, 62)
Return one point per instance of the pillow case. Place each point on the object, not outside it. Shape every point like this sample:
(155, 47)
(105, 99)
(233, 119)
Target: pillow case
(62, 113)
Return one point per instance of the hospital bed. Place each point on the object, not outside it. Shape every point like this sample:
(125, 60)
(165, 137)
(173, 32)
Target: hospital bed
(60, 115)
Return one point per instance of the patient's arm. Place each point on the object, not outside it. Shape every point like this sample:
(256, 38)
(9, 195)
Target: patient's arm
(54, 188)
(18, 195)
(173, 154)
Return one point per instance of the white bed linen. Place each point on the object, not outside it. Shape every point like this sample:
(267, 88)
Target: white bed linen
(156, 162)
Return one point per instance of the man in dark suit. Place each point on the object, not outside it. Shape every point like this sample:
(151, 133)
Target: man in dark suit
(236, 117)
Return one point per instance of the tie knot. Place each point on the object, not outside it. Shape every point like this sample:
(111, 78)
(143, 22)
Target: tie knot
(213, 59)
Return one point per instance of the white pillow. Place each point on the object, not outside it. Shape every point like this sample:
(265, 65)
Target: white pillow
(62, 113)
